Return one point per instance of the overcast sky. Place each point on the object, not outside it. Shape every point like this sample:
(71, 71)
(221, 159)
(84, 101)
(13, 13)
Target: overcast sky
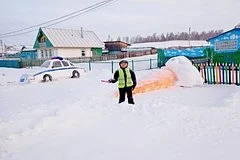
(120, 18)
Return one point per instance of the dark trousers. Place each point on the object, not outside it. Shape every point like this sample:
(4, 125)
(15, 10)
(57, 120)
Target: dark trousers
(122, 93)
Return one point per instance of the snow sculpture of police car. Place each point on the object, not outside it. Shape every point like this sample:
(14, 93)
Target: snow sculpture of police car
(52, 69)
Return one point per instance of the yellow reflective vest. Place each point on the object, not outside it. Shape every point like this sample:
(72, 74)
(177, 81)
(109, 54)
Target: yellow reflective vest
(121, 78)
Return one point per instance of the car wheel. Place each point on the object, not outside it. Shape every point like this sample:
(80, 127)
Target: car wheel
(75, 74)
(47, 77)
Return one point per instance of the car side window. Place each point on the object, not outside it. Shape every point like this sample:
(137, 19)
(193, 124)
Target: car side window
(71, 64)
(57, 64)
(65, 63)
(46, 64)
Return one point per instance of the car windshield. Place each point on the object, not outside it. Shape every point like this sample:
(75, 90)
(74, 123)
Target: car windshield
(46, 64)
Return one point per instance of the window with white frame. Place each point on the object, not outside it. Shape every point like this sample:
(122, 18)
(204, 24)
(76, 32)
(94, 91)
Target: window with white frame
(42, 54)
(46, 53)
(50, 53)
(55, 52)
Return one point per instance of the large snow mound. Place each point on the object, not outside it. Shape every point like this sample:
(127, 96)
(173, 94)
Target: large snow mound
(187, 75)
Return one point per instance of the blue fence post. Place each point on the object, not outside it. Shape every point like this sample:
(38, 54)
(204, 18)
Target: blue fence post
(132, 65)
(150, 63)
(210, 73)
(112, 66)
(89, 65)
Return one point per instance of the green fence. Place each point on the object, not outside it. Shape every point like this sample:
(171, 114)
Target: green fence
(10, 63)
(31, 63)
(227, 57)
(233, 57)
(136, 65)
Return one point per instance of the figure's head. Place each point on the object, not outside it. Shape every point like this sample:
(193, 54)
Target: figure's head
(123, 64)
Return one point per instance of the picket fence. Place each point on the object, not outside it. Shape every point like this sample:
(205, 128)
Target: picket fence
(220, 73)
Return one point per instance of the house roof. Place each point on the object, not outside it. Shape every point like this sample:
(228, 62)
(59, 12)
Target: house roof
(72, 38)
(237, 27)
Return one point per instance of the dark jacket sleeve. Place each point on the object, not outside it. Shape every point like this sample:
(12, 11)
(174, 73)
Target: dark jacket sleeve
(115, 77)
(133, 78)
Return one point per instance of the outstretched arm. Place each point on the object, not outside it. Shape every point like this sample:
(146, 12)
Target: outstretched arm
(115, 77)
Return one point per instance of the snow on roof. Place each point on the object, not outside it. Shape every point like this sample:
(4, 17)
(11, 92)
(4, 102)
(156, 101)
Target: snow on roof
(28, 46)
(28, 49)
(238, 25)
(170, 44)
(72, 38)
(12, 51)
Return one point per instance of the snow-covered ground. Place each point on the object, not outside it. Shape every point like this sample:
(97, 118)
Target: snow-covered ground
(80, 119)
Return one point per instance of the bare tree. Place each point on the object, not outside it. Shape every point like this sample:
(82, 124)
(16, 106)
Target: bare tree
(176, 36)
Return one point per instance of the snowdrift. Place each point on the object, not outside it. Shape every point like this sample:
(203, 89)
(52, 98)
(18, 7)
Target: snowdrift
(187, 75)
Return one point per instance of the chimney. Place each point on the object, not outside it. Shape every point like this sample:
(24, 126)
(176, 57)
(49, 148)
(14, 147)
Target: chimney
(81, 32)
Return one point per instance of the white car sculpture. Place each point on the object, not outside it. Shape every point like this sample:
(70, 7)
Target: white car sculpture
(53, 69)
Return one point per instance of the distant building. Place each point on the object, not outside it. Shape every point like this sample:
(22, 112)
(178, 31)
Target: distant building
(113, 47)
(226, 42)
(225, 47)
(140, 51)
(172, 44)
(12, 51)
(2, 51)
(67, 43)
(28, 54)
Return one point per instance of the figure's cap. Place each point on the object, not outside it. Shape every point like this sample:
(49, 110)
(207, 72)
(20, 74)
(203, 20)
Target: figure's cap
(123, 61)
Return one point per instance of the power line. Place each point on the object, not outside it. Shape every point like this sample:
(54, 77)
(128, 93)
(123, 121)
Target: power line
(95, 7)
(59, 19)
(102, 2)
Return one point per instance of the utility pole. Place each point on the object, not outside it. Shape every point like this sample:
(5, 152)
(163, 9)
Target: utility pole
(189, 36)
(1, 46)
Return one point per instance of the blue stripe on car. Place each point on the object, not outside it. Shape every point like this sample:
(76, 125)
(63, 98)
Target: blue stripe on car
(52, 70)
